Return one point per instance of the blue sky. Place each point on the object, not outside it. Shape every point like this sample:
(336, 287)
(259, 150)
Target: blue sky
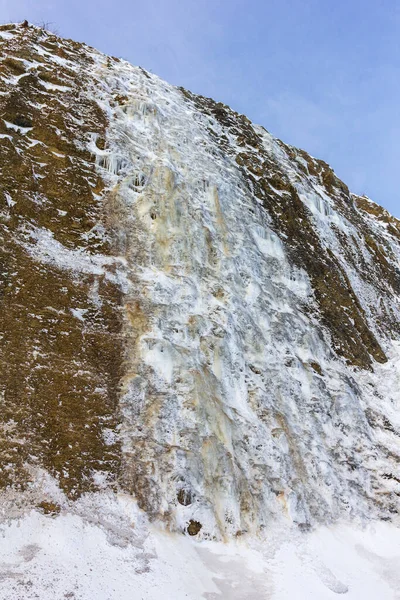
(323, 75)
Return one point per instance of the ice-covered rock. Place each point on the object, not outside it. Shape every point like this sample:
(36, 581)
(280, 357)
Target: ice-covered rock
(192, 311)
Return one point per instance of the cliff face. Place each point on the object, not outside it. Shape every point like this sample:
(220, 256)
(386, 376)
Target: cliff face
(191, 310)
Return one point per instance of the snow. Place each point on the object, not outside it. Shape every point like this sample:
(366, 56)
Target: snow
(54, 87)
(107, 550)
(9, 200)
(6, 35)
(79, 313)
(18, 128)
(41, 245)
(55, 58)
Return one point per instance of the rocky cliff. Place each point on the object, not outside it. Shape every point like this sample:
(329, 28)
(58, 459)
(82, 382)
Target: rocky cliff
(192, 312)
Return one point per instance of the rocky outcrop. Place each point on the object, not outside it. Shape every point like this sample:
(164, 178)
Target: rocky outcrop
(60, 312)
(192, 311)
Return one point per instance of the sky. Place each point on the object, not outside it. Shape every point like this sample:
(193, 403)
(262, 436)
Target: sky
(322, 75)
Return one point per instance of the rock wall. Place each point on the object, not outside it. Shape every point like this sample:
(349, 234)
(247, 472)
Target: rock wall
(197, 313)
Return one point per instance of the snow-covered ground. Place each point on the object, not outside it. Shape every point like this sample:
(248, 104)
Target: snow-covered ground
(101, 558)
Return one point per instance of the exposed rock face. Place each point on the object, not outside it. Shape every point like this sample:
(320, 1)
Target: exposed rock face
(191, 310)
(60, 305)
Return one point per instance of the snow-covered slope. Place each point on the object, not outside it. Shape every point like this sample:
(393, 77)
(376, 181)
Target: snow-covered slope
(86, 558)
(194, 315)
